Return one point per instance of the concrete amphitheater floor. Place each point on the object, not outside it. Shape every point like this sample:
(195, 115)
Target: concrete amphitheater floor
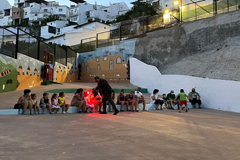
(10, 98)
(165, 135)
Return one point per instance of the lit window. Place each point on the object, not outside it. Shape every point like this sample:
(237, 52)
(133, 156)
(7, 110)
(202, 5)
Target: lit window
(26, 13)
(111, 64)
(97, 60)
(87, 68)
(82, 65)
(105, 58)
(119, 60)
(98, 67)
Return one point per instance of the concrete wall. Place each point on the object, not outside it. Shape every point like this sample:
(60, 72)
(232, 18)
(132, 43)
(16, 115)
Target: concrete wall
(169, 46)
(215, 94)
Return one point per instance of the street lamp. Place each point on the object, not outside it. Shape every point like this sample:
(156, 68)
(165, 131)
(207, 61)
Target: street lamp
(176, 3)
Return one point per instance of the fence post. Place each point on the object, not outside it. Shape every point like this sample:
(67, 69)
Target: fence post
(214, 7)
(120, 33)
(147, 21)
(97, 41)
(54, 50)
(17, 39)
(81, 46)
(38, 56)
(66, 56)
(228, 5)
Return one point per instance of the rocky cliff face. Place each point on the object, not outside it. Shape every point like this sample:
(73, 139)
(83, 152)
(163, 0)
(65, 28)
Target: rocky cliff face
(204, 48)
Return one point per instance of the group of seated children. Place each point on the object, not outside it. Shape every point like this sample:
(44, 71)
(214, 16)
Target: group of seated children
(91, 101)
(88, 101)
(29, 101)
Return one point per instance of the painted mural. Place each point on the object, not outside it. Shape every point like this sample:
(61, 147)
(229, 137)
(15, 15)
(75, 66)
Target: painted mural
(25, 72)
(110, 62)
(8, 76)
(21, 73)
(65, 74)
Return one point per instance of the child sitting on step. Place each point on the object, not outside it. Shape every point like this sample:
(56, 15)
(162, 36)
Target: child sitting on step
(34, 104)
(62, 102)
(55, 105)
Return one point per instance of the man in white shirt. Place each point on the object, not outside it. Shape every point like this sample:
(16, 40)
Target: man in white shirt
(140, 98)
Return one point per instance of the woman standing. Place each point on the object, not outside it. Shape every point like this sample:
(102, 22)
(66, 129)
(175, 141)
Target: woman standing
(155, 100)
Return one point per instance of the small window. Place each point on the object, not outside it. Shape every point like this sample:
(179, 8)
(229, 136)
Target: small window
(26, 13)
(105, 58)
(166, 5)
(36, 14)
(60, 10)
(58, 29)
(87, 68)
(119, 60)
(82, 65)
(45, 10)
(98, 67)
(31, 5)
(97, 60)
(111, 64)
(105, 10)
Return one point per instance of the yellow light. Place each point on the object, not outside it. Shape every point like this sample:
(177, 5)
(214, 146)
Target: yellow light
(166, 11)
(170, 13)
(175, 3)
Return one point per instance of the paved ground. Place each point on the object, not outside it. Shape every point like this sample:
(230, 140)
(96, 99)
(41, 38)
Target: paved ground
(165, 135)
(10, 98)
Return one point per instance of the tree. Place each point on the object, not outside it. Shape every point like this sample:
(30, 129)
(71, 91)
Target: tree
(138, 10)
(50, 18)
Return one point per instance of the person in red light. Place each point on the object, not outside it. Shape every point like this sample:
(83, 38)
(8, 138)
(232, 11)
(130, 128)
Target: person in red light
(93, 98)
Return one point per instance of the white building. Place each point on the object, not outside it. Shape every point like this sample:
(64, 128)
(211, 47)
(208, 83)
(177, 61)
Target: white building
(5, 13)
(36, 10)
(72, 35)
(82, 13)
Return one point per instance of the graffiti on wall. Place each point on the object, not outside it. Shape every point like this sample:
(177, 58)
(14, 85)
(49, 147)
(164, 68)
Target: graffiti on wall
(110, 62)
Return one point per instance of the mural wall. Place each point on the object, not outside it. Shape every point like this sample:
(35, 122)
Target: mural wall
(110, 63)
(25, 72)
(65, 74)
(21, 73)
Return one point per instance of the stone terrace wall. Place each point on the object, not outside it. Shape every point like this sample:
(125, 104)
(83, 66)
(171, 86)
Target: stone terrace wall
(184, 44)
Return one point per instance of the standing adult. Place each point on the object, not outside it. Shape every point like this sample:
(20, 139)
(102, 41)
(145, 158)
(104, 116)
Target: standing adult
(106, 91)
(194, 98)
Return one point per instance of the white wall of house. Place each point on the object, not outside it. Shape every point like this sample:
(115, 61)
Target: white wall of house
(4, 5)
(61, 40)
(83, 12)
(72, 36)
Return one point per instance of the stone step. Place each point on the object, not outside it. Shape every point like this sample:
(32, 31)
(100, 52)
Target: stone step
(73, 109)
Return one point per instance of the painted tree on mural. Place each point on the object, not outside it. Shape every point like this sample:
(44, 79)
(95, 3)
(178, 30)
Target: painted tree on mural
(8, 76)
